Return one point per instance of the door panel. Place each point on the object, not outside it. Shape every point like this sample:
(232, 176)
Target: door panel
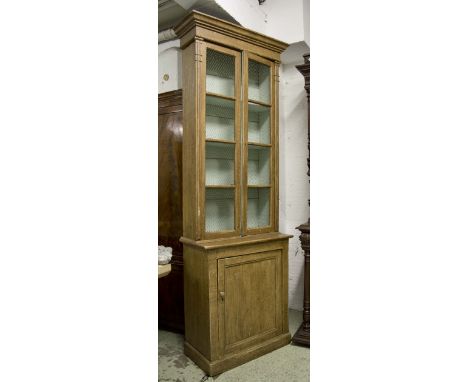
(258, 191)
(220, 146)
(250, 299)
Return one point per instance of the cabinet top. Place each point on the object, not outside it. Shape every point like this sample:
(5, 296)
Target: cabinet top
(201, 26)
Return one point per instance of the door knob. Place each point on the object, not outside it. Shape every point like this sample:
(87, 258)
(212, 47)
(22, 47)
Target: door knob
(222, 295)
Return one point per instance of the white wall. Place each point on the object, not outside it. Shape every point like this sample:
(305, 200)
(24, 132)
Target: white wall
(306, 15)
(170, 64)
(247, 12)
(294, 185)
(280, 19)
(285, 20)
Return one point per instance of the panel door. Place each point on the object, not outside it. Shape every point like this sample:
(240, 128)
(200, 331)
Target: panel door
(249, 295)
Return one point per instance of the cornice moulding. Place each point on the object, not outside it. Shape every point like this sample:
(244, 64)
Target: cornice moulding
(197, 20)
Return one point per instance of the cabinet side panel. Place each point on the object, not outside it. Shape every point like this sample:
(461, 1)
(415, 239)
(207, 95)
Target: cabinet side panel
(190, 146)
(197, 303)
(285, 286)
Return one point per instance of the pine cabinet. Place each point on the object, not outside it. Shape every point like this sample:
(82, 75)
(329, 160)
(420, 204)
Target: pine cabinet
(236, 261)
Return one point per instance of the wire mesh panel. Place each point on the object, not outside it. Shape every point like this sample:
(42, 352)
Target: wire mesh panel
(259, 82)
(258, 165)
(219, 118)
(219, 73)
(219, 210)
(259, 123)
(219, 163)
(258, 207)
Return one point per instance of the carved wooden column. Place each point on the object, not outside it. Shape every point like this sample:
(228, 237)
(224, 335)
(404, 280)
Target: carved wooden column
(302, 336)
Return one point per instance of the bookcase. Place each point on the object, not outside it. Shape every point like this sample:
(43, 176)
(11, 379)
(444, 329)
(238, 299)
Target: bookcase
(235, 260)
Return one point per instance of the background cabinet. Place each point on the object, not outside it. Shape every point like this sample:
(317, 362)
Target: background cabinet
(236, 261)
(171, 287)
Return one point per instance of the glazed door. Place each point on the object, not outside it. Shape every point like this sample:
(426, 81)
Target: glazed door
(259, 145)
(220, 146)
(249, 295)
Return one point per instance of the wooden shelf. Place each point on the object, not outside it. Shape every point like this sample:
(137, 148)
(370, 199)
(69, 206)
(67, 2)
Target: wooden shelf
(220, 141)
(260, 103)
(209, 94)
(259, 144)
(220, 186)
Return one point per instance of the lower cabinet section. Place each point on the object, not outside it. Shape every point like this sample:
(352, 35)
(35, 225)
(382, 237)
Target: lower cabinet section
(236, 299)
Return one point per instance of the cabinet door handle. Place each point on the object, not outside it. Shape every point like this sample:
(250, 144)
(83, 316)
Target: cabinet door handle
(222, 295)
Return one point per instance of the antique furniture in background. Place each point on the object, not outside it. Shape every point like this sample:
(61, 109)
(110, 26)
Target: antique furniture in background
(302, 336)
(171, 287)
(235, 260)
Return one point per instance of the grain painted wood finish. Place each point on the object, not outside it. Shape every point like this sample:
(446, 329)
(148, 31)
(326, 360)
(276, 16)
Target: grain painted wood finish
(199, 25)
(235, 282)
(249, 295)
(220, 326)
(191, 67)
(194, 85)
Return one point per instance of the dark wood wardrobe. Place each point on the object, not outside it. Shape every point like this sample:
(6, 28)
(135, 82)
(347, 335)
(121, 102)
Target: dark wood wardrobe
(171, 287)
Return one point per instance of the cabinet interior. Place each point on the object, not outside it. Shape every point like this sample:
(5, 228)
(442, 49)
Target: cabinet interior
(219, 209)
(219, 164)
(259, 123)
(258, 207)
(259, 82)
(219, 118)
(258, 166)
(220, 73)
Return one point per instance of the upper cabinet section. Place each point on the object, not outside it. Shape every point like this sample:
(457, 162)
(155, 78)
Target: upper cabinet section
(230, 148)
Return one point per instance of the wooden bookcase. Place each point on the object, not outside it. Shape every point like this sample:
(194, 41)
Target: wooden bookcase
(235, 260)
